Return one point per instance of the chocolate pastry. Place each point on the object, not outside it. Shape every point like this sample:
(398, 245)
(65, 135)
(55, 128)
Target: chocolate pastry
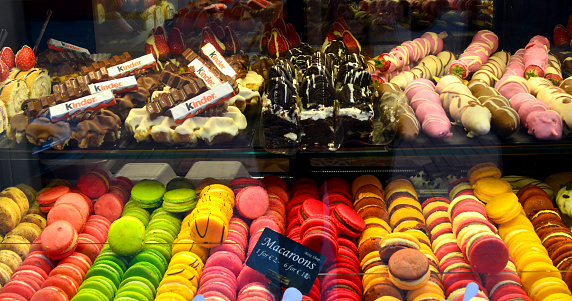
(122, 106)
(282, 69)
(160, 105)
(191, 56)
(337, 48)
(115, 60)
(300, 49)
(101, 126)
(317, 69)
(42, 130)
(261, 65)
(355, 114)
(281, 92)
(349, 74)
(317, 90)
(71, 88)
(138, 97)
(62, 63)
(302, 62)
(17, 127)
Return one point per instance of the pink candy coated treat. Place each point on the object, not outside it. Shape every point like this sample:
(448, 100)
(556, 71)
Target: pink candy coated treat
(424, 96)
(437, 126)
(518, 99)
(418, 85)
(542, 40)
(435, 41)
(546, 125)
(459, 68)
(528, 107)
(400, 53)
(512, 85)
(425, 109)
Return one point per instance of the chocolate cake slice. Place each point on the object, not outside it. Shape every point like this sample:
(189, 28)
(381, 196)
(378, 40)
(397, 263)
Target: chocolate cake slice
(355, 114)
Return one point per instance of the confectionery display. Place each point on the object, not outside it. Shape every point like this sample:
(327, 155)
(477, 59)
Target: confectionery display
(412, 150)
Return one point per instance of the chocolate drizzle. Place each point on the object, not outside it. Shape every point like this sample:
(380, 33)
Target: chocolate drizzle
(317, 90)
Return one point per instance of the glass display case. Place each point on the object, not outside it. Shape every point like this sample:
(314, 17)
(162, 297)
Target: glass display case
(387, 134)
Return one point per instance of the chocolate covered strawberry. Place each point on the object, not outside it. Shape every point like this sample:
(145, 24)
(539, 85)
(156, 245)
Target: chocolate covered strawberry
(533, 71)
(231, 41)
(560, 36)
(292, 35)
(25, 58)
(383, 62)
(536, 57)
(176, 42)
(351, 42)
(7, 56)
(459, 68)
(277, 44)
(157, 46)
(209, 37)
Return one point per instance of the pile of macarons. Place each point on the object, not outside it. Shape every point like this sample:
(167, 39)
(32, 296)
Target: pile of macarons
(208, 222)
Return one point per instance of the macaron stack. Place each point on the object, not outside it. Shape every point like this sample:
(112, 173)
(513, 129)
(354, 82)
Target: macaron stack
(208, 222)
(408, 222)
(483, 170)
(368, 198)
(181, 279)
(179, 200)
(93, 182)
(533, 199)
(28, 278)
(239, 183)
(486, 188)
(452, 263)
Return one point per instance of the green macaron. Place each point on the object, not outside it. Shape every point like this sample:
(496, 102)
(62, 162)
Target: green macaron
(180, 182)
(138, 212)
(139, 281)
(100, 284)
(148, 193)
(159, 244)
(131, 294)
(179, 200)
(138, 288)
(145, 270)
(126, 235)
(152, 256)
(106, 271)
(112, 256)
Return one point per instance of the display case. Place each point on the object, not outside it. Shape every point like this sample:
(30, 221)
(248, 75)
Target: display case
(400, 149)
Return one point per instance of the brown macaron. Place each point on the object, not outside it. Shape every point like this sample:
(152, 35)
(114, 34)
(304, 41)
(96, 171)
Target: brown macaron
(16, 243)
(409, 269)
(17, 196)
(37, 219)
(29, 231)
(9, 215)
(11, 259)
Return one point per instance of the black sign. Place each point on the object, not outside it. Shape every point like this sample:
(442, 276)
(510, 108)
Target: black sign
(286, 262)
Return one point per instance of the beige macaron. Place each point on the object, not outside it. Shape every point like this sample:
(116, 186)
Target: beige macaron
(11, 259)
(29, 231)
(9, 215)
(16, 243)
(17, 196)
(37, 219)
(29, 192)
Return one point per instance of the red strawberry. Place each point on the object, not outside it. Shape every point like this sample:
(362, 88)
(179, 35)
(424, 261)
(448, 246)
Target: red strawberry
(7, 56)
(157, 45)
(231, 41)
(280, 25)
(217, 30)
(533, 71)
(569, 27)
(25, 58)
(554, 78)
(237, 11)
(353, 45)
(560, 36)
(382, 62)
(255, 4)
(209, 37)
(175, 41)
(278, 44)
(4, 71)
(337, 29)
(160, 31)
(364, 5)
(292, 35)
(202, 19)
(343, 23)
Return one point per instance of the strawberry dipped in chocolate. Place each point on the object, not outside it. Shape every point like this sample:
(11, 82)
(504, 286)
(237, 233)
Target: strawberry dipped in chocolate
(483, 44)
(536, 56)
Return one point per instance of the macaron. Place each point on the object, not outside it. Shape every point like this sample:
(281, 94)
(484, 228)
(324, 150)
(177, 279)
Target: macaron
(109, 205)
(59, 239)
(252, 202)
(148, 193)
(126, 235)
(179, 200)
(93, 182)
(348, 221)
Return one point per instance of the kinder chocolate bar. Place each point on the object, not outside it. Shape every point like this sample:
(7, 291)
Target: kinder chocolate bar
(218, 60)
(203, 72)
(125, 69)
(61, 46)
(90, 102)
(117, 86)
(198, 104)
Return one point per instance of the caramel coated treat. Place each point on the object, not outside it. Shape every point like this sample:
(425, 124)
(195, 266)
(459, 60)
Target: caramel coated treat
(115, 60)
(104, 125)
(42, 130)
(17, 127)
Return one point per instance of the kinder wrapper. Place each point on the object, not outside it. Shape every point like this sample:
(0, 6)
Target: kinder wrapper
(145, 62)
(90, 102)
(61, 46)
(199, 103)
(218, 60)
(203, 72)
(117, 86)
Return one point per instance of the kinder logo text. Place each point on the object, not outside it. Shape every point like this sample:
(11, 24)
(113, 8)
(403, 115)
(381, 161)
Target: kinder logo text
(195, 104)
(70, 46)
(100, 88)
(204, 76)
(85, 102)
(216, 60)
(128, 66)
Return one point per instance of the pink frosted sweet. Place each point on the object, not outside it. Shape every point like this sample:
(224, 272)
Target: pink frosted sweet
(545, 125)
(418, 85)
(512, 85)
(487, 37)
(424, 96)
(427, 108)
(527, 107)
(437, 126)
(435, 42)
(456, 66)
(541, 40)
(472, 60)
(401, 56)
(518, 99)
(424, 47)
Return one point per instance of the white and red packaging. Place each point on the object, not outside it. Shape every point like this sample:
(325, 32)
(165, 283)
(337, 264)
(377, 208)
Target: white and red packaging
(218, 60)
(91, 102)
(144, 62)
(61, 46)
(203, 72)
(201, 102)
(117, 86)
